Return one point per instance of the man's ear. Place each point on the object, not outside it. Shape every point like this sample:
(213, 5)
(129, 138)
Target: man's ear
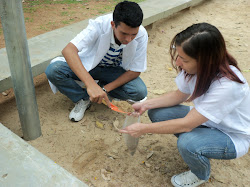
(113, 24)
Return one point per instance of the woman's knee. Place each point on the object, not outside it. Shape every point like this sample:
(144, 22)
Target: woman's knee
(168, 113)
(190, 142)
(182, 144)
(159, 114)
(151, 115)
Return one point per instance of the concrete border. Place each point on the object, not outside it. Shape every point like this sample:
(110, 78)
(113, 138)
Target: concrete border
(22, 165)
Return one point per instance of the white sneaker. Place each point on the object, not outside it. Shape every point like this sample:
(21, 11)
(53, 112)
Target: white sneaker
(132, 101)
(77, 112)
(186, 179)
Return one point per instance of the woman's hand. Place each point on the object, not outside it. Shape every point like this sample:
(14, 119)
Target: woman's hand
(139, 107)
(135, 130)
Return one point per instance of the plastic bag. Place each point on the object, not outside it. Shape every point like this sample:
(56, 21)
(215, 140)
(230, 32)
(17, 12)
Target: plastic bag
(131, 141)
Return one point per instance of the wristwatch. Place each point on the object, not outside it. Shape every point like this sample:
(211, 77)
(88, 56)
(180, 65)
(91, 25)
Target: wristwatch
(104, 89)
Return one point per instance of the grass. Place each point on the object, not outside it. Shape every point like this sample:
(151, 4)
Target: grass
(30, 3)
(28, 9)
(31, 6)
(64, 13)
(31, 9)
(28, 20)
(43, 2)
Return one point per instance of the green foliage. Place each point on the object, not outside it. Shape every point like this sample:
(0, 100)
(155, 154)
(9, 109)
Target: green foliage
(64, 13)
(66, 22)
(29, 9)
(44, 28)
(28, 20)
(43, 2)
(102, 9)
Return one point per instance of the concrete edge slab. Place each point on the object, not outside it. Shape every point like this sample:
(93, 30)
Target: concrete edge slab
(22, 165)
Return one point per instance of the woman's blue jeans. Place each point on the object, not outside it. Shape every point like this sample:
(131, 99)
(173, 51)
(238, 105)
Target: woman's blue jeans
(199, 145)
(60, 74)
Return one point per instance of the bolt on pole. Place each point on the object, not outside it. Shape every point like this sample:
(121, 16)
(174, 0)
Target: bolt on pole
(12, 20)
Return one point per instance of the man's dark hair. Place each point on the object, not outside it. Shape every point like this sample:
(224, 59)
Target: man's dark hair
(129, 13)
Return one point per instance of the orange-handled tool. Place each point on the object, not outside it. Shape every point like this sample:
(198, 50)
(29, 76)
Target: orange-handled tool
(114, 108)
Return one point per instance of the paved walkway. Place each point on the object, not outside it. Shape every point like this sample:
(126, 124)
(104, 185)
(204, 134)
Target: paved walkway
(22, 165)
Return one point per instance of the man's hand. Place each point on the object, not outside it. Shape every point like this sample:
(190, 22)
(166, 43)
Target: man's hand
(96, 94)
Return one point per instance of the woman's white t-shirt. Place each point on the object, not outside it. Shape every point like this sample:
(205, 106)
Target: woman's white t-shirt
(226, 105)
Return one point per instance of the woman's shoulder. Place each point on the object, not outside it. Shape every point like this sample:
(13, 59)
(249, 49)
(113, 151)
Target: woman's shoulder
(238, 73)
(233, 88)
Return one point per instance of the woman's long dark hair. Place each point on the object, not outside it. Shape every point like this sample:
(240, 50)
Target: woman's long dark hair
(204, 43)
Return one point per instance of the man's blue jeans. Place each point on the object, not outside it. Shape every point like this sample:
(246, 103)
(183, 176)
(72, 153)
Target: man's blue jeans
(60, 74)
(199, 145)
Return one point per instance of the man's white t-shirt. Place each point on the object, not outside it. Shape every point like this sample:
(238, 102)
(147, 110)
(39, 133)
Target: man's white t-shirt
(113, 57)
(227, 106)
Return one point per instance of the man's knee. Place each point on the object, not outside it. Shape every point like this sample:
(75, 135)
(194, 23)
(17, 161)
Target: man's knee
(142, 93)
(140, 89)
(49, 71)
(52, 71)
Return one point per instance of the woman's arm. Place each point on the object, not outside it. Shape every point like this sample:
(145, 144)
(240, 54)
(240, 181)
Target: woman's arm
(191, 120)
(166, 100)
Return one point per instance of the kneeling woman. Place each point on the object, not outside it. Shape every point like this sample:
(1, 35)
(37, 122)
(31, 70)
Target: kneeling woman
(218, 126)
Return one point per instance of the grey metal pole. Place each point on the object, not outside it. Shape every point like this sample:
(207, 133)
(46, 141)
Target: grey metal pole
(12, 19)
